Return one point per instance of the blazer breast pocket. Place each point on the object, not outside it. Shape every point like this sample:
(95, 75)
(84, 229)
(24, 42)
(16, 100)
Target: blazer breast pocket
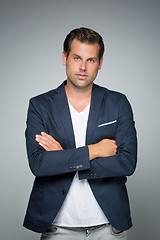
(106, 130)
(107, 123)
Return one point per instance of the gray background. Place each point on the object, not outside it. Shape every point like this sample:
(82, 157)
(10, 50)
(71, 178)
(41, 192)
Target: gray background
(32, 34)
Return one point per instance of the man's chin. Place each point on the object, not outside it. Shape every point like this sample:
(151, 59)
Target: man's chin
(83, 85)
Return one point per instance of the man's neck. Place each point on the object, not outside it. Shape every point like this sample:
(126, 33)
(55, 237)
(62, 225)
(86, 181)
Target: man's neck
(78, 97)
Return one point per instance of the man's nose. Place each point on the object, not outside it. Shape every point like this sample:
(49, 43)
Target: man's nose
(83, 66)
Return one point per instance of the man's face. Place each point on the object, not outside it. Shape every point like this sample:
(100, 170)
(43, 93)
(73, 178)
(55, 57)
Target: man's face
(82, 63)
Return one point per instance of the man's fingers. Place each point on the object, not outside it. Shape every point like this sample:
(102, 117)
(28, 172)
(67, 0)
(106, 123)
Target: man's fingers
(44, 137)
(48, 142)
(43, 133)
(44, 146)
(47, 136)
(42, 140)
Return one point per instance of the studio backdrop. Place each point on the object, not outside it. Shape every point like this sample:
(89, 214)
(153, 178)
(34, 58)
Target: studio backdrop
(32, 34)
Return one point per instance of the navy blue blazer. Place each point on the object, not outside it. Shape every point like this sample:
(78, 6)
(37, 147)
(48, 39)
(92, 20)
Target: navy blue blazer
(110, 117)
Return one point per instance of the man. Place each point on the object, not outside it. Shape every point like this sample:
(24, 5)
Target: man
(81, 145)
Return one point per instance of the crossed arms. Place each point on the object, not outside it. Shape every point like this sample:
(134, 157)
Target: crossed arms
(104, 148)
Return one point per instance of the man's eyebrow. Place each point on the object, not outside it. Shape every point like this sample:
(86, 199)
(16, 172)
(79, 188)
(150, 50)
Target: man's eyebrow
(76, 55)
(94, 58)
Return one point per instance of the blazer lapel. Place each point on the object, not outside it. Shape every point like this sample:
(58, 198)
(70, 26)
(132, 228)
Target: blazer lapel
(61, 104)
(96, 102)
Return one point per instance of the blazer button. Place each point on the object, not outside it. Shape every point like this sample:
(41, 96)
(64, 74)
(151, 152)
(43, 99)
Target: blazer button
(63, 192)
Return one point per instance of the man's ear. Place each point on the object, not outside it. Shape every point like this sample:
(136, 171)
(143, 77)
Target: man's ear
(100, 63)
(64, 58)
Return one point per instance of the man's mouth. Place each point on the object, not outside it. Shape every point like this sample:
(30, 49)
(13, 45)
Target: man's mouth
(82, 76)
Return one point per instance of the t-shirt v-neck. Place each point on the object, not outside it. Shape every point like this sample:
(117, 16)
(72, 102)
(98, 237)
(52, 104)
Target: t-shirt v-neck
(79, 122)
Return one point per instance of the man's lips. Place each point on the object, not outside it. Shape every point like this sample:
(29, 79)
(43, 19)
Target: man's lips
(82, 76)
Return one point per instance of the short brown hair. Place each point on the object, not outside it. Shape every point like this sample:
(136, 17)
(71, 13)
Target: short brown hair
(84, 35)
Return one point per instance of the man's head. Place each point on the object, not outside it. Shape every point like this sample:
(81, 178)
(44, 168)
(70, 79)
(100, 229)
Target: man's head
(84, 35)
(83, 57)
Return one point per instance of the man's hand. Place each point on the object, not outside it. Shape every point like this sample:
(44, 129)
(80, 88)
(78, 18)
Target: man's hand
(104, 148)
(48, 142)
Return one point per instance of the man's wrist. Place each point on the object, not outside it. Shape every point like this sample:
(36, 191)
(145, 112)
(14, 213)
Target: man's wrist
(92, 151)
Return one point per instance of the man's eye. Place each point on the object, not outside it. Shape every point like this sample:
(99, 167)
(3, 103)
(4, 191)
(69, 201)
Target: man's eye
(91, 60)
(76, 58)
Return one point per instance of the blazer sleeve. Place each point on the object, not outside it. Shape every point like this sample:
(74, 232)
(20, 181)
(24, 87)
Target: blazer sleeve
(124, 162)
(49, 163)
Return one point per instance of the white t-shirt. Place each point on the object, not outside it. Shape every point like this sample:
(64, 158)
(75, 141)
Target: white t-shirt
(80, 208)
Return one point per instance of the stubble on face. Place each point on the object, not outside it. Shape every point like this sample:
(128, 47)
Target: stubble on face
(82, 64)
(77, 81)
